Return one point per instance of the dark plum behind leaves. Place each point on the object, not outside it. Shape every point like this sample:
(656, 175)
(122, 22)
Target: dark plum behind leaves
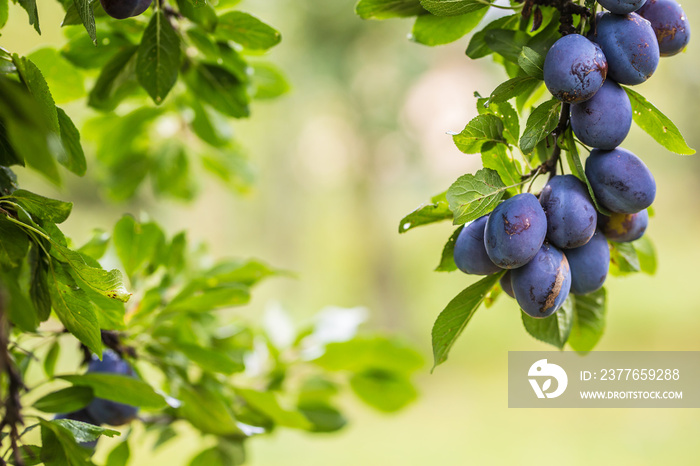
(571, 215)
(470, 252)
(621, 182)
(604, 120)
(108, 411)
(589, 265)
(670, 24)
(624, 228)
(122, 9)
(515, 231)
(542, 286)
(574, 69)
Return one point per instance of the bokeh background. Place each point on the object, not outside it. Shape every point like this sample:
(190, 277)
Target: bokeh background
(361, 141)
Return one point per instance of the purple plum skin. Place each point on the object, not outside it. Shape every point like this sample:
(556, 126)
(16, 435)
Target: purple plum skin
(122, 9)
(470, 252)
(507, 284)
(624, 228)
(108, 411)
(589, 265)
(630, 45)
(574, 69)
(621, 182)
(82, 416)
(669, 22)
(604, 120)
(621, 7)
(571, 215)
(542, 286)
(515, 231)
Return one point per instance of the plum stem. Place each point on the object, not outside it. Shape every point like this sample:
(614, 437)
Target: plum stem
(567, 9)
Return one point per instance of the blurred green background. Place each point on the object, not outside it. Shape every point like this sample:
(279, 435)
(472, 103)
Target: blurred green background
(358, 143)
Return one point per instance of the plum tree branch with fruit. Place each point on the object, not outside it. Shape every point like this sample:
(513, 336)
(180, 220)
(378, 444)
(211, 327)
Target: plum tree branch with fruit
(551, 250)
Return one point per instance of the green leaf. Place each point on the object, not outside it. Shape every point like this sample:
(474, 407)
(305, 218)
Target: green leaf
(436, 211)
(268, 81)
(439, 30)
(226, 453)
(60, 443)
(51, 358)
(64, 80)
(657, 125)
(96, 245)
(646, 253)
(540, 124)
(4, 12)
(365, 353)
(477, 47)
(39, 288)
(14, 243)
(113, 81)
(623, 259)
(576, 167)
(554, 329)
(16, 305)
(171, 174)
(119, 388)
(454, 7)
(30, 7)
(36, 84)
(136, 243)
(513, 88)
(158, 59)
(531, 62)
(267, 404)
(209, 359)
(455, 317)
(506, 43)
(385, 391)
(589, 320)
(219, 88)
(479, 131)
(73, 157)
(473, 196)
(119, 456)
(203, 14)
(48, 210)
(30, 454)
(207, 411)
(447, 261)
(497, 159)
(65, 401)
(507, 114)
(247, 30)
(87, 17)
(73, 308)
(200, 297)
(384, 9)
(106, 282)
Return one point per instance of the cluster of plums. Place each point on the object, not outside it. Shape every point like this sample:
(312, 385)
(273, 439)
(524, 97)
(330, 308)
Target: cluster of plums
(100, 411)
(122, 9)
(558, 244)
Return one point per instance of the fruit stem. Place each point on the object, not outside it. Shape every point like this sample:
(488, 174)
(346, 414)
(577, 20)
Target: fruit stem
(567, 9)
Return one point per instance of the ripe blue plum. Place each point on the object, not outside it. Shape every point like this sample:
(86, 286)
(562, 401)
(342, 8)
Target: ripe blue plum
(515, 231)
(589, 265)
(604, 120)
(621, 182)
(506, 284)
(122, 9)
(621, 7)
(541, 286)
(574, 69)
(630, 45)
(670, 24)
(470, 252)
(82, 416)
(624, 228)
(108, 411)
(571, 215)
